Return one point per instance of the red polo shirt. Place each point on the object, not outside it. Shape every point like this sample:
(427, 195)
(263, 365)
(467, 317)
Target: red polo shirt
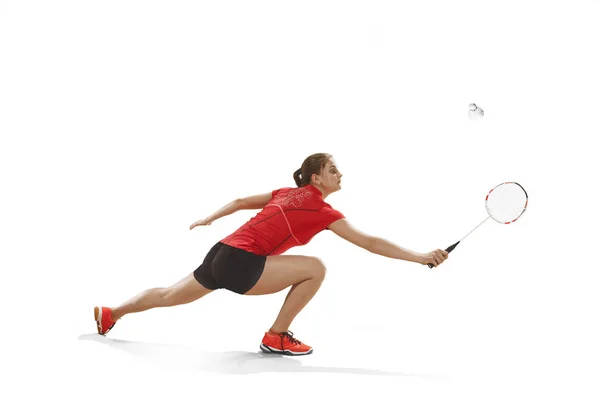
(292, 218)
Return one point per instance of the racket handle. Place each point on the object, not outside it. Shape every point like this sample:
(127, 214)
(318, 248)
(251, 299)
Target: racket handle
(449, 249)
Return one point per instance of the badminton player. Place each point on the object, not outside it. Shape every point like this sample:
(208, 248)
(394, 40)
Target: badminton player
(250, 261)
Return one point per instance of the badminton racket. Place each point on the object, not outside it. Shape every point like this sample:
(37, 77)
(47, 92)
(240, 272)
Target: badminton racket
(504, 204)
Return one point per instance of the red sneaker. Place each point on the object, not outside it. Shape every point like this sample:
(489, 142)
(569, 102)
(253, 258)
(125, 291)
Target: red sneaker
(284, 343)
(103, 320)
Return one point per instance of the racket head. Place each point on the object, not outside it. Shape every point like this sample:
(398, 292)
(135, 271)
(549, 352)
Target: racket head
(506, 202)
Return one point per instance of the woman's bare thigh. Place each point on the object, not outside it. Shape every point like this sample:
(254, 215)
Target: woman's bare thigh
(286, 270)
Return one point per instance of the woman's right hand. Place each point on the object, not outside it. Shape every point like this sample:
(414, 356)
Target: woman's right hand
(435, 257)
(203, 221)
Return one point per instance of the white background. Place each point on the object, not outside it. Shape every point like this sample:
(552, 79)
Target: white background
(123, 122)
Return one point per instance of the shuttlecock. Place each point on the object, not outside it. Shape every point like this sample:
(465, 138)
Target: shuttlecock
(475, 112)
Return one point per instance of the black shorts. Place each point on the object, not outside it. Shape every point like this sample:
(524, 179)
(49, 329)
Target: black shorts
(227, 267)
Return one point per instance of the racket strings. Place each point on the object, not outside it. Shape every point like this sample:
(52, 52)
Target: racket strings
(506, 202)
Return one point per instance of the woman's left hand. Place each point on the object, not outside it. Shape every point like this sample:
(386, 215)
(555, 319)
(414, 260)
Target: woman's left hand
(204, 221)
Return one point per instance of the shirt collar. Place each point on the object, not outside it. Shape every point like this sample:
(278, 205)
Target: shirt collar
(314, 189)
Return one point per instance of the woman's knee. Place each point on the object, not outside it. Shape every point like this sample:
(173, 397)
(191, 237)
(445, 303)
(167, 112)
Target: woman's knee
(182, 292)
(319, 268)
(167, 295)
(173, 296)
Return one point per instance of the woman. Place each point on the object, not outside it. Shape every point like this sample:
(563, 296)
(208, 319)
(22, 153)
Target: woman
(249, 260)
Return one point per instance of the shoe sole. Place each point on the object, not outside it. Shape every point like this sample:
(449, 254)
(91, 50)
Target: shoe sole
(267, 349)
(98, 319)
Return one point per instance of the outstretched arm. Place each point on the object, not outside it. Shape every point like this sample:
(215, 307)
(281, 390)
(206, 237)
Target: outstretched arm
(384, 247)
(245, 203)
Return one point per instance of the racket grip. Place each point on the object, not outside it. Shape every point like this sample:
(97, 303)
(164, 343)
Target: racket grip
(449, 249)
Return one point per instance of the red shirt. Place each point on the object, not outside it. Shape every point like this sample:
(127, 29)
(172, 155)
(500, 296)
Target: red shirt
(292, 218)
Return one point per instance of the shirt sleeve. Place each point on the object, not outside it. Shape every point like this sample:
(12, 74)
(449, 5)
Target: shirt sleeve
(330, 215)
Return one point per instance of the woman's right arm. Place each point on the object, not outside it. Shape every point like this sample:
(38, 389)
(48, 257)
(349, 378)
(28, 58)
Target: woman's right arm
(384, 247)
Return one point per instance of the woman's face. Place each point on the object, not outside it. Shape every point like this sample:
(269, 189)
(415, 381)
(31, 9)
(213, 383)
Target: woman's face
(330, 178)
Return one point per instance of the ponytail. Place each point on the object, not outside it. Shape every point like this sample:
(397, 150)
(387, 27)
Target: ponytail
(297, 177)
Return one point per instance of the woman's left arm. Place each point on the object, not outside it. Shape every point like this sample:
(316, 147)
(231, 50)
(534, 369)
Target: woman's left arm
(245, 203)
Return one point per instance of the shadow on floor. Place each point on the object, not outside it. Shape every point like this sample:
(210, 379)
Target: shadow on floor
(230, 362)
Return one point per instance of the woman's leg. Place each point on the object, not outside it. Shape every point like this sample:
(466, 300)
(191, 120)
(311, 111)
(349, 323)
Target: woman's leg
(304, 274)
(185, 291)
